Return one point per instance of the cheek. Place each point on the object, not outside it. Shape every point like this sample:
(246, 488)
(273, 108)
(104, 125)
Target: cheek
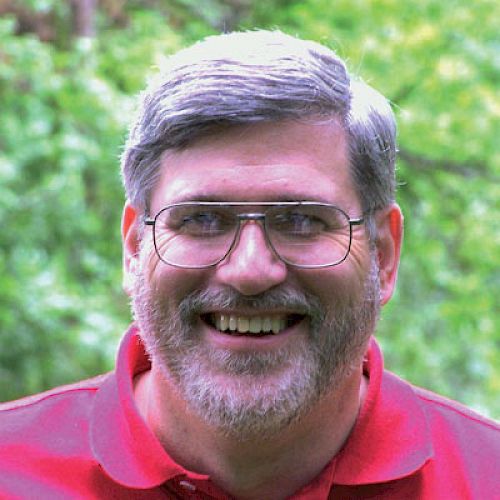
(326, 285)
(171, 283)
(151, 265)
(358, 262)
(346, 279)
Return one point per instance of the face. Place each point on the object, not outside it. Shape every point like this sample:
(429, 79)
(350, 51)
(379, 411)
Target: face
(247, 383)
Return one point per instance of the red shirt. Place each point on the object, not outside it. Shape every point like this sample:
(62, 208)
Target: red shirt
(88, 440)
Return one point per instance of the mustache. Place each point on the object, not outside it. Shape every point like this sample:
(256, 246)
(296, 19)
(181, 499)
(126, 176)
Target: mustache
(209, 300)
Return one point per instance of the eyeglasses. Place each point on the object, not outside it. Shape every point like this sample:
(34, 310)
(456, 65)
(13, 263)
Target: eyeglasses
(303, 234)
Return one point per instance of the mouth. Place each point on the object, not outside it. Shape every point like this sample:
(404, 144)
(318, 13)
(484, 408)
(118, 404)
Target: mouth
(254, 325)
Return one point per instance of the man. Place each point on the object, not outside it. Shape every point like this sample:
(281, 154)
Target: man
(260, 239)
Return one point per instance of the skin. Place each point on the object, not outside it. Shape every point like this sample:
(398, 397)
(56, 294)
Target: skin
(265, 162)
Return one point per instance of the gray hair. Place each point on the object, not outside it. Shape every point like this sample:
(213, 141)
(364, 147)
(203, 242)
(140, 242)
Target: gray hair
(259, 76)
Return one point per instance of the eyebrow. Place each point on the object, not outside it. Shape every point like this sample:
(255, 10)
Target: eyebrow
(275, 199)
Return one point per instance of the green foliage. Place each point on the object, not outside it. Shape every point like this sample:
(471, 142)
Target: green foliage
(64, 118)
(56, 129)
(64, 109)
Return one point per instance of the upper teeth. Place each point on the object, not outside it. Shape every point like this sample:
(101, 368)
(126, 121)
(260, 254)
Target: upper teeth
(252, 324)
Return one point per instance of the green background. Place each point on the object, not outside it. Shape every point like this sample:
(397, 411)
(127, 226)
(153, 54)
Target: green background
(65, 103)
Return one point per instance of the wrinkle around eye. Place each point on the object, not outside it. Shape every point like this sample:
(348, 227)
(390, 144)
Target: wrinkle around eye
(150, 262)
(163, 239)
(358, 254)
(161, 242)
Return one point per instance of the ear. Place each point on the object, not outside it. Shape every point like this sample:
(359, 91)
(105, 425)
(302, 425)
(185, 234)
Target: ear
(130, 245)
(389, 239)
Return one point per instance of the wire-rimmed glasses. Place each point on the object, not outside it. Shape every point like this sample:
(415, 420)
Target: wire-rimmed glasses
(304, 234)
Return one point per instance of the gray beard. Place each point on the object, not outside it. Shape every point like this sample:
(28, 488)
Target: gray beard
(265, 392)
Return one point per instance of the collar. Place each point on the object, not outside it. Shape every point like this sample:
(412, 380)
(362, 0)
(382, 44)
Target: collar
(390, 440)
(120, 439)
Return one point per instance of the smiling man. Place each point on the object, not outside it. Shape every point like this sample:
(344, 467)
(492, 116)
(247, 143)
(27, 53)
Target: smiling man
(261, 238)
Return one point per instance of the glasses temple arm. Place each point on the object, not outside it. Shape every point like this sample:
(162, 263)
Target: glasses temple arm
(356, 222)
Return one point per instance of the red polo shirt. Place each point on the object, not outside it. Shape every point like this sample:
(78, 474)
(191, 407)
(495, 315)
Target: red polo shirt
(88, 440)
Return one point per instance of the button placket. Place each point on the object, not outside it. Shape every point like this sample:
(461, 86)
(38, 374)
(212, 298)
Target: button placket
(187, 485)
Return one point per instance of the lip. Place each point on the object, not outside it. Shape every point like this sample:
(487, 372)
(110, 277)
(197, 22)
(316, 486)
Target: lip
(252, 343)
(253, 312)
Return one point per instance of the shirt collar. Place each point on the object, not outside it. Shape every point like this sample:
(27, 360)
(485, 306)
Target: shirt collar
(121, 441)
(390, 439)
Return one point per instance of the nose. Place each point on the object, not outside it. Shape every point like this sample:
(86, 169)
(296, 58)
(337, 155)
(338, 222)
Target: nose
(252, 267)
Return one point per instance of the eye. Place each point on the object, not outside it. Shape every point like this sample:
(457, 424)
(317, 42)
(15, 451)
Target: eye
(298, 223)
(308, 221)
(198, 221)
(206, 222)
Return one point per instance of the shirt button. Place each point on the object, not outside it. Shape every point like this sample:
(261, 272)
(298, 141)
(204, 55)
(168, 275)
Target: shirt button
(187, 485)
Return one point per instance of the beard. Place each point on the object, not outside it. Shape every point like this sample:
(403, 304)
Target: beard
(256, 394)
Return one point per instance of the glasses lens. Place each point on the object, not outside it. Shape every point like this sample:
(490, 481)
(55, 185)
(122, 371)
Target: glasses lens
(194, 235)
(309, 235)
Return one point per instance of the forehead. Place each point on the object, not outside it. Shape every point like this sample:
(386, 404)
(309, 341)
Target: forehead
(283, 161)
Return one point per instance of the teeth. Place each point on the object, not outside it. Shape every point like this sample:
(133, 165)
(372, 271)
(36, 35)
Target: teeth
(276, 325)
(224, 322)
(233, 323)
(243, 325)
(266, 324)
(253, 324)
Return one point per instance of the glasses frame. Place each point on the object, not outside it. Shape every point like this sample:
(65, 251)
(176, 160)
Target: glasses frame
(257, 216)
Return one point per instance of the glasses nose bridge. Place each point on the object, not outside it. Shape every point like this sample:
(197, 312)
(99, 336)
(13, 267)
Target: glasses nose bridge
(253, 216)
(248, 217)
(258, 216)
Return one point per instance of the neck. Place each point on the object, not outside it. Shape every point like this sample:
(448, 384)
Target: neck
(256, 468)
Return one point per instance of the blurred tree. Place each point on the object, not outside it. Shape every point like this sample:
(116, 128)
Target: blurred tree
(83, 14)
(64, 106)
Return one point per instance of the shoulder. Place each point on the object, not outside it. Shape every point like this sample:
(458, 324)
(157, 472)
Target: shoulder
(88, 385)
(466, 447)
(463, 446)
(53, 424)
(463, 426)
(46, 449)
(444, 417)
(48, 412)
(440, 412)
(444, 406)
